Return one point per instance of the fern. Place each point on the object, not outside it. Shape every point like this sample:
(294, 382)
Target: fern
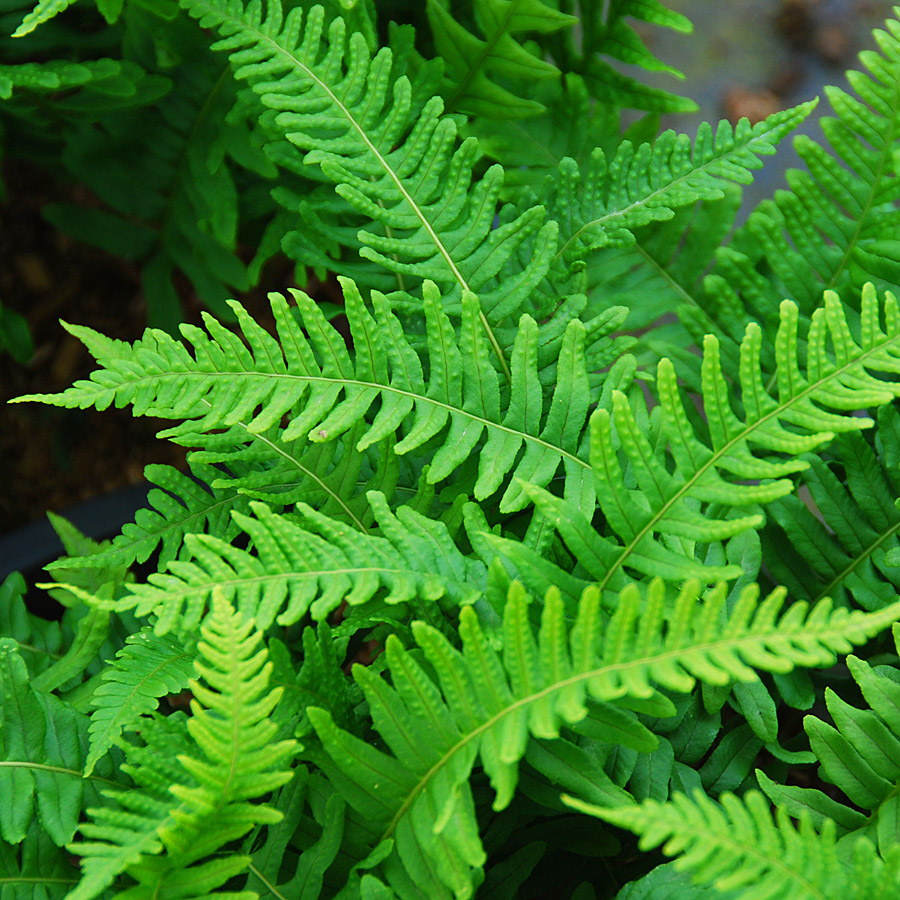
(225, 382)
(147, 668)
(670, 499)
(472, 61)
(296, 571)
(483, 705)
(535, 543)
(394, 163)
(737, 846)
(221, 770)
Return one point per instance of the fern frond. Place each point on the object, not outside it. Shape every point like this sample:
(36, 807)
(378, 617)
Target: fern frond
(36, 868)
(808, 412)
(228, 758)
(42, 746)
(179, 504)
(604, 204)
(738, 846)
(836, 226)
(313, 568)
(481, 704)
(472, 62)
(146, 668)
(397, 164)
(325, 391)
(845, 554)
(607, 31)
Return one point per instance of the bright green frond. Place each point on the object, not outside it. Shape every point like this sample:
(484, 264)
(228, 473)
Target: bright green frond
(397, 162)
(310, 376)
(843, 374)
(196, 777)
(295, 570)
(147, 668)
(738, 846)
(475, 702)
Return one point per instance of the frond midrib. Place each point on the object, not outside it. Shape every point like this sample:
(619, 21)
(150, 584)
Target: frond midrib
(806, 633)
(857, 560)
(349, 382)
(57, 770)
(269, 577)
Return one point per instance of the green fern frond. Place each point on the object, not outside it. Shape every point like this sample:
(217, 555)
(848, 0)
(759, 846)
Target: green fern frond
(202, 802)
(738, 846)
(42, 747)
(35, 868)
(845, 553)
(836, 227)
(472, 62)
(146, 668)
(397, 164)
(482, 704)
(607, 31)
(326, 391)
(808, 412)
(604, 204)
(294, 570)
(179, 504)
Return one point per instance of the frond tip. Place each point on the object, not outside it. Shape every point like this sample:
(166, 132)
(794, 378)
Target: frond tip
(738, 846)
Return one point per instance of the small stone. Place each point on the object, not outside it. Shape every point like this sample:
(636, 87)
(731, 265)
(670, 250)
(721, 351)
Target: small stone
(753, 104)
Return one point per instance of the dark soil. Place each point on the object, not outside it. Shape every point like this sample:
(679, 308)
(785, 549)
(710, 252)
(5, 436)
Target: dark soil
(52, 458)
